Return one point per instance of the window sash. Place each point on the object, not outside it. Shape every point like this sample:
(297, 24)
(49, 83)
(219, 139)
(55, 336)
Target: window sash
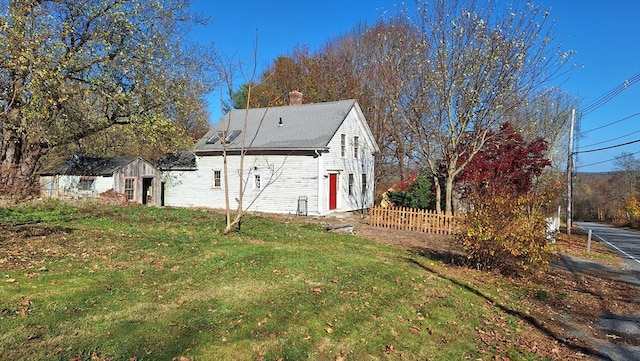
(217, 178)
(364, 182)
(356, 147)
(130, 188)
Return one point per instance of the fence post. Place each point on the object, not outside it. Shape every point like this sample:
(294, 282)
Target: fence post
(589, 242)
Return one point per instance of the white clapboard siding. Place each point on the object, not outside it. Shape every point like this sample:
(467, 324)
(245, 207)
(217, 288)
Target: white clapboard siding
(283, 180)
(304, 172)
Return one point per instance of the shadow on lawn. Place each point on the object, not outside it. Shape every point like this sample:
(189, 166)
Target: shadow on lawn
(459, 259)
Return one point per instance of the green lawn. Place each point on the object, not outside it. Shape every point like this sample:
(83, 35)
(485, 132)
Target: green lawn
(143, 283)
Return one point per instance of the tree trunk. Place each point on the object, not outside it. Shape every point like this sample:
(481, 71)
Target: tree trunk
(449, 195)
(436, 183)
(20, 159)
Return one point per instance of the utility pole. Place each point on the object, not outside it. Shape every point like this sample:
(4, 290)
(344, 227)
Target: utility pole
(570, 174)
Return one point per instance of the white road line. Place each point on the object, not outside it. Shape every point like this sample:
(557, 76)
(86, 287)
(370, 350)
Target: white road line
(619, 250)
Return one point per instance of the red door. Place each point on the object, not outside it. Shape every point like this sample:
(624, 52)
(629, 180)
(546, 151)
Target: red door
(333, 190)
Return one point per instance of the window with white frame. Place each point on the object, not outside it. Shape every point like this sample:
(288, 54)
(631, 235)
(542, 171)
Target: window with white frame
(356, 146)
(343, 145)
(350, 184)
(130, 188)
(217, 178)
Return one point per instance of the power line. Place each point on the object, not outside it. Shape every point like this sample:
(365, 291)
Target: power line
(602, 161)
(603, 99)
(605, 148)
(610, 124)
(609, 140)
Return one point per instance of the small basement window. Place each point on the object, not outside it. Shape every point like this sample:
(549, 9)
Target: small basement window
(256, 182)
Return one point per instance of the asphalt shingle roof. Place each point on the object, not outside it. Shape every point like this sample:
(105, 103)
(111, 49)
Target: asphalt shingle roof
(91, 166)
(182, 160)
(292, 127)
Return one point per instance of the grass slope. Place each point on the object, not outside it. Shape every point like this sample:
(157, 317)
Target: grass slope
(145, 283)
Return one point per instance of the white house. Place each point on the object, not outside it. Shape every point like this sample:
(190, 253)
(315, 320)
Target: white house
(299, 159)
(85, 178)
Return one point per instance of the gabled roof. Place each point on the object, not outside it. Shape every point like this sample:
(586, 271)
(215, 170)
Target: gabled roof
(291, 127)
(91, 166)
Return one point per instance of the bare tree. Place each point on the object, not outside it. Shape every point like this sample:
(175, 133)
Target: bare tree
(629, 168)
(547, 115)
(228, 71)
(476, 66)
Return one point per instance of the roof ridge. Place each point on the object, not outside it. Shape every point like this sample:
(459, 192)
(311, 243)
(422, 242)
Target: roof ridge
(292, 106)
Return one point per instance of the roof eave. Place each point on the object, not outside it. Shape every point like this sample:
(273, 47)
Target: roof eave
(262, 150)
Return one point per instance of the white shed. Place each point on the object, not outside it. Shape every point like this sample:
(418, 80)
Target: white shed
(84, 177)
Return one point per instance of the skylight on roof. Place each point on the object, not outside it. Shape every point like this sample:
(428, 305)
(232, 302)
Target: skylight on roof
(222, 136)
(233, 135)
(219, 135)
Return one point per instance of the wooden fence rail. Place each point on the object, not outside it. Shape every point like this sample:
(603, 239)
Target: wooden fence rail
(417, 220)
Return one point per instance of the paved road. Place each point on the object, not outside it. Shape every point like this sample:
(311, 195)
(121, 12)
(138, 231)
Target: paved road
(625, 243)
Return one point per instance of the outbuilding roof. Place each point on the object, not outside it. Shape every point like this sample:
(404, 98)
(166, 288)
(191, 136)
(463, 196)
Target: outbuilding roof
(182, 160)
(292, 127)
(91, 166)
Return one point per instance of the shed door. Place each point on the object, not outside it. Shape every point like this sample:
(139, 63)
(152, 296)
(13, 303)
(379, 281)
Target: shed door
(147, 190)
(333, 190)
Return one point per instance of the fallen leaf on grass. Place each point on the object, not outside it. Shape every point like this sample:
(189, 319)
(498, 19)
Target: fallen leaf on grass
(389, 349)
(10, 280)
(329, 330)
(414, 329)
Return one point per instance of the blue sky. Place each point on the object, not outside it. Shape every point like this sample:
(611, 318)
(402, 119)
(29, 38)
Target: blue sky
(606, 36)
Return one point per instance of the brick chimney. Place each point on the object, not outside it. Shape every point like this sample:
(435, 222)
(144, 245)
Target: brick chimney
(295, 97)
